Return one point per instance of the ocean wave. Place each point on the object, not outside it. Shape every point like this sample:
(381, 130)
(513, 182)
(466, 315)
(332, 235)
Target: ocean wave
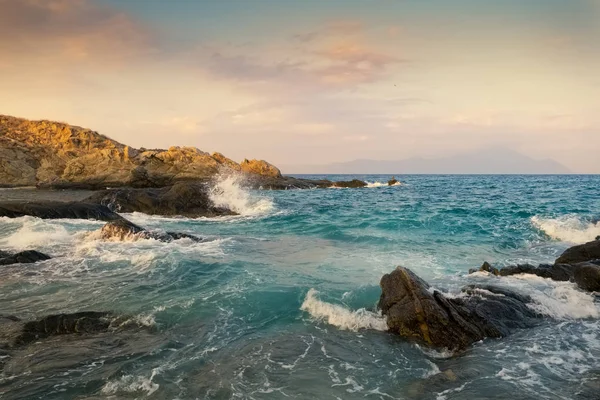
(228, 192)
(568, 228)
(131, 384)
(340, 316)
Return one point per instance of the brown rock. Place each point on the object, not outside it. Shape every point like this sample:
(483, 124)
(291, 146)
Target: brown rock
(260, 167)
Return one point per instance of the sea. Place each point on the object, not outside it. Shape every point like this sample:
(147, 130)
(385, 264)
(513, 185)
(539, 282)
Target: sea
(280, 302)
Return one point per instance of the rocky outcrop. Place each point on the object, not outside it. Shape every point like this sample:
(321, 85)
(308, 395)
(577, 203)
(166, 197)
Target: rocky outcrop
(354, 183)
(579, 264)
(182, 199)
(23, 257)
(260, 167)
(125, 230)
(47, 153)
(417, 313)
(58, 210)
(583, 252)
(393, 181)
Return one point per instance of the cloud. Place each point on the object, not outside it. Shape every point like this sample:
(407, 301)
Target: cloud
(70, 31)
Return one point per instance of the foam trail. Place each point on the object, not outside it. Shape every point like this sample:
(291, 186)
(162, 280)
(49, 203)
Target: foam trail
(381, 184)
(228, 192)
(567, 228)
(340, 316)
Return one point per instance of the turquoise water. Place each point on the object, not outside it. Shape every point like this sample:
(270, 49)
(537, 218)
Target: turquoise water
(235, 317)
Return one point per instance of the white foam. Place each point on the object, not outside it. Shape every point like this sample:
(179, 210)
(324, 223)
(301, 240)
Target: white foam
(131, 384)
(342, 317)
(35, 233)
(568, 228)
(228, 192)
(381, 184)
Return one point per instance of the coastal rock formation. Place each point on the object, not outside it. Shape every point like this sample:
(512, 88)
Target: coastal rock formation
(583, 252)
(416, 313)
(125, 230)
(47, 153)
(393, 181)
(58, 210)
(579, 264)
(354, 183)
(182, 199)
(23, 257)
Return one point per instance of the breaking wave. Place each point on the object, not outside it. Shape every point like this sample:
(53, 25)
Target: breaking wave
(567, 228)
(228, 191)
(340, 316)
(381, 184)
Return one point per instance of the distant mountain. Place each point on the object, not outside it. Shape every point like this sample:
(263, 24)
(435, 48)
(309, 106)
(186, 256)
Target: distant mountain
(488, 161)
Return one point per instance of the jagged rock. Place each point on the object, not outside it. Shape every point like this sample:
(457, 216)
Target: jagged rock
(416, 313)
(260, 167)
(58, 210)
(182, 199)
(485, 267)
(583, 252)
(125, 230)
(23, 257)
(55, 154)
(557, 272)
(393, 181)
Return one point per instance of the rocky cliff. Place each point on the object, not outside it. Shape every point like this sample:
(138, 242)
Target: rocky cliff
(46, 153)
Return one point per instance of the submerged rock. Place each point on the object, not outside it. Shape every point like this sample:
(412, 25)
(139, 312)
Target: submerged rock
(485, 267)
(393, 181)
(583, 252)
(58, 210)
(23, 257)
(418, 313)
(125, 230)
(182, 199)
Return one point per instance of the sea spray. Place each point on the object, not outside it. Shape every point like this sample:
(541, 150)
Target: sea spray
(340, 316)
(568, 228)
(228, 191)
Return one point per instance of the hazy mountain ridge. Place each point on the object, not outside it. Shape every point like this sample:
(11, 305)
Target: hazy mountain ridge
(488, 161)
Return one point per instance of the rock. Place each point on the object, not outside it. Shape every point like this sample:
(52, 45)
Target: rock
(557, 272)
(393, 181)
(123, 230)
(587, 276)
(23, 257)
(53, 154)
(416, 313)
(583, 252)
(260, 167)
(485, 267)
(58, 210)
(182, 199)
(354, 183)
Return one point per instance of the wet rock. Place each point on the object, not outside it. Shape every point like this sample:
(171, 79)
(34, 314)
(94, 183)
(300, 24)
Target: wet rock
(583, 252)
(587, 276)
(182, 199)
(354, 183)
(23, 257)
(485, 267)
(393, 181)
(417, 313)
(123, 230)
(58, 210)
(557, 272)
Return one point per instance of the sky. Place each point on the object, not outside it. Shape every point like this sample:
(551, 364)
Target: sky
(312, 81)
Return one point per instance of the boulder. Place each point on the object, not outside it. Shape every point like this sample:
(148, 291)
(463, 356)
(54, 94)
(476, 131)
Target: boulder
(485, 267)
(182, 199)
(587, 276)
(58, 210)
(416, 312)
(583, 252)
(125, 230)
(23, 257)
(260, 167)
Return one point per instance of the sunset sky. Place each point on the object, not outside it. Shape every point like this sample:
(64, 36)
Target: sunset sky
(313, 81)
